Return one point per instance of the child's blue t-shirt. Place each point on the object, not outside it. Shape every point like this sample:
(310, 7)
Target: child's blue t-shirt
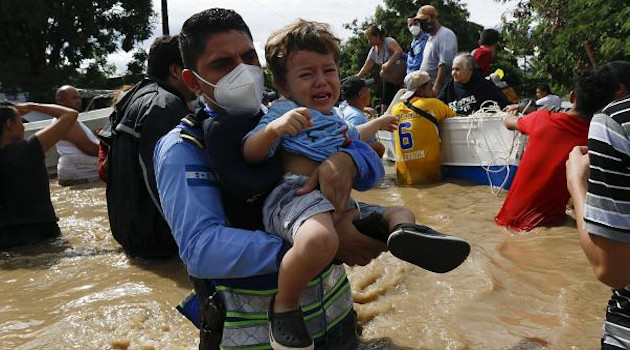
(328, 135)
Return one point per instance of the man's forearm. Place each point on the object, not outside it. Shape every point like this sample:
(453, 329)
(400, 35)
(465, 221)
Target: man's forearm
(439, 78)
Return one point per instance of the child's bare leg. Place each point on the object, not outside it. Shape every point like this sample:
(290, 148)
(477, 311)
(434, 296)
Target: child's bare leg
(398, 215)
(314, 247)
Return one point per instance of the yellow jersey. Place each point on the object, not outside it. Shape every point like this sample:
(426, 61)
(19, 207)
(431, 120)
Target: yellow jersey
(418, 141)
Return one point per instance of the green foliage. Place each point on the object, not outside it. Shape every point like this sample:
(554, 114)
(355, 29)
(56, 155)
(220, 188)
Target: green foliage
(43, 43)
(393, 17)
(554, 33)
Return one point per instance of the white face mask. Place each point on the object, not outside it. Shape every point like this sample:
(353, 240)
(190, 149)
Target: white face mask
(415, 30)
(240, 91)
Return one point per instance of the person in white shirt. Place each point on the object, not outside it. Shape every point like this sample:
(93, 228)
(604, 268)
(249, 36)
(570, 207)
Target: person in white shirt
(78, 149)
(440, 50)
(545, 97)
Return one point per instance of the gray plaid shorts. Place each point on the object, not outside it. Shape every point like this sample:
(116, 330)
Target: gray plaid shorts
(284, 211)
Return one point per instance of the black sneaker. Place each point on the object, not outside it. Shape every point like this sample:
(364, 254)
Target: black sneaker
(427, 248)
(287, 330)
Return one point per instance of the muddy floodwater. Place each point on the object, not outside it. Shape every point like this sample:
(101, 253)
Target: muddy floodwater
(515, 291)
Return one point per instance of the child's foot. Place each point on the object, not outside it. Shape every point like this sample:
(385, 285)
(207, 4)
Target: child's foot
(427, 248)
(287, 330)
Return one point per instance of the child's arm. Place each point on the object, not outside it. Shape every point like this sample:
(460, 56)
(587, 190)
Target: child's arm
(257, 146)
(384, 122)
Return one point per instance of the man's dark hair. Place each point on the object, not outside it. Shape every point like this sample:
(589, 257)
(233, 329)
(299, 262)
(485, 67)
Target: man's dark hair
(200, 26)
(413, 15)
(620, 71)
(7, 112)
(163, 53)
(544, 88)
(593, 90)
(489, 37)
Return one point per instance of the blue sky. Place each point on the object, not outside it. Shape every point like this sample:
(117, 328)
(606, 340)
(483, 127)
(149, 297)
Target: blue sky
(265, 16)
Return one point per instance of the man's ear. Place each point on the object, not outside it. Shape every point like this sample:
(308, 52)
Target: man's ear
(282, 87)
(191, 81)
(572, 97)
(174, 71)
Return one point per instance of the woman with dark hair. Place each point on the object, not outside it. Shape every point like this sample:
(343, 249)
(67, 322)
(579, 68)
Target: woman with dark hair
(468, 89)
(387, 53)
(26, 211)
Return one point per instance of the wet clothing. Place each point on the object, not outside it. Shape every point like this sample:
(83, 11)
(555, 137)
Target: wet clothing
(242, 264)
(418, 141)
(146, 113)
(467, 98)
(414, 56)
(539, 195)
(73, 164)
(607, 212)
(26, 211)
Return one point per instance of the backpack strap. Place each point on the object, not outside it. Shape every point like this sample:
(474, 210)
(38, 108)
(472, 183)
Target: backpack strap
(188, 134)
(422, 113)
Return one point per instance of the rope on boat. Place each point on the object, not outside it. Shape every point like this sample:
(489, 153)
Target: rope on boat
(481, 142)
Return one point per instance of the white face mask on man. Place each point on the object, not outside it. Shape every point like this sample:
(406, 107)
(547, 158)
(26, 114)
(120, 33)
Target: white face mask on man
(239, 92)
(414, 30)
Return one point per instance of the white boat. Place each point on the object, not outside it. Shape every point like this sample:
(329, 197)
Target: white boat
(94, 119)
(475, 149)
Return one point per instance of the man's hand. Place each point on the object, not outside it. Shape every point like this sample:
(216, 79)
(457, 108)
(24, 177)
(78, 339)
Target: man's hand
(292, 122)
(334, 176)
(355, 248)
(370, 111)
(22, 108)
(577, 171)
(512, 109)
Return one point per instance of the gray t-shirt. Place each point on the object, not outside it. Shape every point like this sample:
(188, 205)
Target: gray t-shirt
(380, 57)
(440, 50)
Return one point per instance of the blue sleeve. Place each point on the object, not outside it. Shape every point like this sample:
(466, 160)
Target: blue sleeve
(192, 205)
(370, 169)
(355, 118)
(266, 119)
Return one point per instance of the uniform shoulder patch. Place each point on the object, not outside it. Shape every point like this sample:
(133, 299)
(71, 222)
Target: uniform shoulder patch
(200, 175)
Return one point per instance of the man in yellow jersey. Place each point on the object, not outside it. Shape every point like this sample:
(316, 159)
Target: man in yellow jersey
(418, 138)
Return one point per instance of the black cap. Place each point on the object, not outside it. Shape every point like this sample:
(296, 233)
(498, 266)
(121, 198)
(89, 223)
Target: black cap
(351, 86)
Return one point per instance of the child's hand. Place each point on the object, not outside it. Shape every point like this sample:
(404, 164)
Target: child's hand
(388, 122)
(292, 122)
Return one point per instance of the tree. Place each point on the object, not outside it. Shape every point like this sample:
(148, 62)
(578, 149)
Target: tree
(393, 17)
(557, 34)
(44, 43)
